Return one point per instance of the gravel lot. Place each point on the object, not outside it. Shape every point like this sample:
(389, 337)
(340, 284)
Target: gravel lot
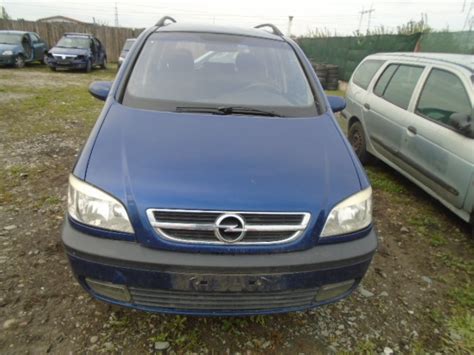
(417, 297)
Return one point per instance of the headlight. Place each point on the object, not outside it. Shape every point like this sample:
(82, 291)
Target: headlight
(120, 60)
(350, 215)
(7, 53)
(94, 207)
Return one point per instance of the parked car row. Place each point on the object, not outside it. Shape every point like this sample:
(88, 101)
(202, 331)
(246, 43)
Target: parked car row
(80, 51)
(414, 111)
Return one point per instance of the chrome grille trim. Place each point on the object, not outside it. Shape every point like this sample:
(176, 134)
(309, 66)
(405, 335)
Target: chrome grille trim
(165, 228)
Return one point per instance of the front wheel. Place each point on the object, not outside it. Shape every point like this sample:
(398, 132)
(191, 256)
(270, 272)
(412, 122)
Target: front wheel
(19, 61)
(104, 63)
(44, 60)
(359, 142)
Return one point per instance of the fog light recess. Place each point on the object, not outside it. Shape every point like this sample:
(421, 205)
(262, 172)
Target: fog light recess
(110, 290)
(329, 291)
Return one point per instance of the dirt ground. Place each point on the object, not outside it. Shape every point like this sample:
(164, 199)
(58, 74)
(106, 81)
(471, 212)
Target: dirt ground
(417, 297)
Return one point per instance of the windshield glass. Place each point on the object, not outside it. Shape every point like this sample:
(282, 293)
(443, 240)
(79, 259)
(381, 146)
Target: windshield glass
(128, 44)
(180, 69)
(74, 42)
(10, 38)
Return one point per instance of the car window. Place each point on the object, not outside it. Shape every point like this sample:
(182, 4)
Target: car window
(74, 42)
(364, 74)
(189, 69)
(384, 79)
(443, 94)
(10, 38)
(396, 85)
(34, 38)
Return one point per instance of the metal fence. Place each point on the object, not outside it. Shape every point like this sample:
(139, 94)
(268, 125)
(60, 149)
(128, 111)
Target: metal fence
(347, 52)
(113, 38)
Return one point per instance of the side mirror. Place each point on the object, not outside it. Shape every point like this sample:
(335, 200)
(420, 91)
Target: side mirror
(100, 89)
(463, 123)
(337, 103)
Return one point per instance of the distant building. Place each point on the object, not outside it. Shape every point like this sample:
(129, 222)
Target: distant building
(63, 19)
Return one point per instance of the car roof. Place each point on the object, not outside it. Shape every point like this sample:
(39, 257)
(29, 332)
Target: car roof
(230, 30)
(15, 32)
(77, 34)
(465, 61)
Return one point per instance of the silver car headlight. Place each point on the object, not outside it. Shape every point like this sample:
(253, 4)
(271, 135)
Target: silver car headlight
(350, 215)
(7, 53)
(91, 206)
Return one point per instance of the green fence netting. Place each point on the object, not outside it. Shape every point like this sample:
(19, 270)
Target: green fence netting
(448, 42)
(347, 52)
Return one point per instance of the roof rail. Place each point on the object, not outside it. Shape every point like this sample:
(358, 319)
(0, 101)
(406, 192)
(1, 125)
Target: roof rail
(275, 29)
(162, 21)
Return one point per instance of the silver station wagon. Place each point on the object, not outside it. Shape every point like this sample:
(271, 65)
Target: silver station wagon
(414, 111)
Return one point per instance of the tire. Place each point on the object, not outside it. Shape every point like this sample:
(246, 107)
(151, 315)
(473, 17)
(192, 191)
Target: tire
(104, 63)
(19, 61)
(88, 66)
(359, 142)
(44, 60)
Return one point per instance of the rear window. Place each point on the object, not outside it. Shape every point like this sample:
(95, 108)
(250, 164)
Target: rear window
(204, 69)
(364, 74)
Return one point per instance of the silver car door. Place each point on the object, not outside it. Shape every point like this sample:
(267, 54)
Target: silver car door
(385, 110)
(436, 154)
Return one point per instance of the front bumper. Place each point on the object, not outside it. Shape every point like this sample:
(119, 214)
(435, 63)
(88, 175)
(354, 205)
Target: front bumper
(7, 60)
(205, 284)
(68, 64)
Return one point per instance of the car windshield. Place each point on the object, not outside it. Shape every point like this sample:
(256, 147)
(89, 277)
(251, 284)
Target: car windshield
(10, 38)
(179, 71)
(74, 42)
(128, 44)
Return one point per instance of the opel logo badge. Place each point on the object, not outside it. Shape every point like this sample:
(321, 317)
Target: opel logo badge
(230, 228)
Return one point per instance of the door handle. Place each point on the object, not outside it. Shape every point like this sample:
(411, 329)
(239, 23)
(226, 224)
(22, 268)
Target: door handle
(367, 106)
(412, 129)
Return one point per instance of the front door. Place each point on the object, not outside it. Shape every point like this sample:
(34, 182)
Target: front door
(439, 156)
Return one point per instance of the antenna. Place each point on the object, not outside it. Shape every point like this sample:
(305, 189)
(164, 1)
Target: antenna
(116, 16)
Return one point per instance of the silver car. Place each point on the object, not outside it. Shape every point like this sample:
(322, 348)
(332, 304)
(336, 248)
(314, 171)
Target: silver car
(414, 111)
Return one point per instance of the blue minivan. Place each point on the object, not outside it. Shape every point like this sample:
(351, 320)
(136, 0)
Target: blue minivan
(216, 180)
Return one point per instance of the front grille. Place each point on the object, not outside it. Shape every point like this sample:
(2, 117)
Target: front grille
(222, 300)
(190, 226)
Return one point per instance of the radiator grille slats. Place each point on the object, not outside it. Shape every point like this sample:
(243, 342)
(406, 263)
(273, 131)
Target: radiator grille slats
(222, 300)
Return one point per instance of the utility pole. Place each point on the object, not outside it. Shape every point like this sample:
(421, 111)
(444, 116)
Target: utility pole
(369, 13)
(370, 17)
(290, 23)
(360, 19)
(116, 16)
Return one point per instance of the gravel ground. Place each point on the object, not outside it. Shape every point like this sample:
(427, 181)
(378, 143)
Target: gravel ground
(418, 296)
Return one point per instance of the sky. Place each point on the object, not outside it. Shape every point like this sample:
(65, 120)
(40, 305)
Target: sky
(337, 16)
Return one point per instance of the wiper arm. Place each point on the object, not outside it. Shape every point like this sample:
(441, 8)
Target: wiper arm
(227, 110)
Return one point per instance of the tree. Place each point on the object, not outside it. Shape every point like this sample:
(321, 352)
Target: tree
(4, 15)
(413, 26)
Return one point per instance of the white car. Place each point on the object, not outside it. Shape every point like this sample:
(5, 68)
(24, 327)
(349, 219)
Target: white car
(414, 111)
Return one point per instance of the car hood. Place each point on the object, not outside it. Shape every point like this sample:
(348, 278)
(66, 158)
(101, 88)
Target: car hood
(15, 48)
(69, 51)
(153, 159)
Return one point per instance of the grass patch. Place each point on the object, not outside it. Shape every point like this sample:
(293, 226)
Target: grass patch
(383, 180)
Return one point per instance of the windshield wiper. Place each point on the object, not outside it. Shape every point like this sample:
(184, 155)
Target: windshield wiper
(227, 110)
